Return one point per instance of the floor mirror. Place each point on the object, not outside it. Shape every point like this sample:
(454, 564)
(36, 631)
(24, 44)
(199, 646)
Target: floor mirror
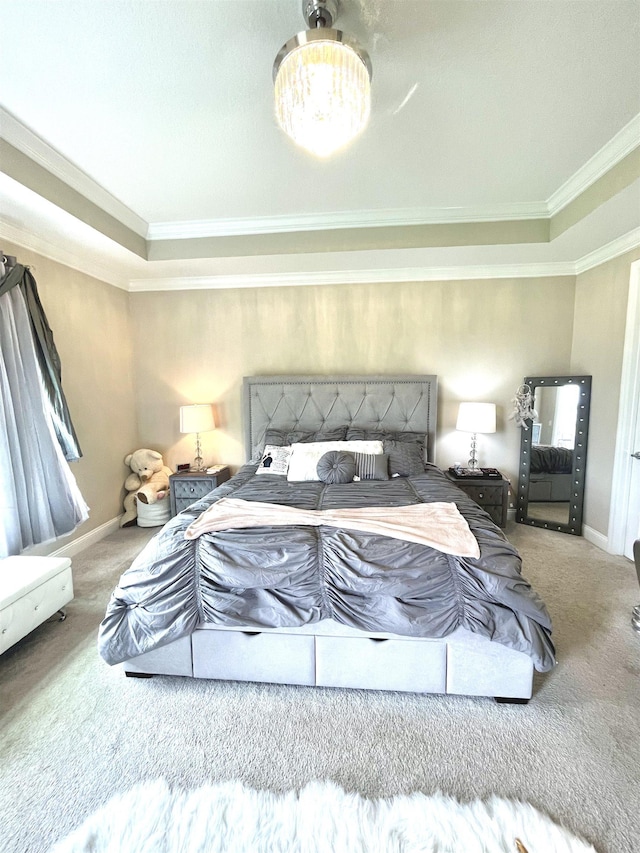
(553, 453)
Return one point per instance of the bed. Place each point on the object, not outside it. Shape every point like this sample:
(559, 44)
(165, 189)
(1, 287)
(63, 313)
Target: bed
(321, 602)
(550, 473)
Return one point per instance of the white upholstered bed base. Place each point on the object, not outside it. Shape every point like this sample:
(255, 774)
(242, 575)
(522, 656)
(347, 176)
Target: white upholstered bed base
(326, 653)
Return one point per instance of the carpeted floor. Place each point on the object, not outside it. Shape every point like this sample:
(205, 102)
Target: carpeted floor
(74, 731)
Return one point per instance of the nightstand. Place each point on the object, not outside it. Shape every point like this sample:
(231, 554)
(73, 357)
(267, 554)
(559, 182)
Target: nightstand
(489, 493)
(187, 487)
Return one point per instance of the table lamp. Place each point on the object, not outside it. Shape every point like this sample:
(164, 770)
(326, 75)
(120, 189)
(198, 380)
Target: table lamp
(197, 419)
(475, 418)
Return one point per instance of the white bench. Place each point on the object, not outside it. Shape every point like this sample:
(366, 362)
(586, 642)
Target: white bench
(31, 590)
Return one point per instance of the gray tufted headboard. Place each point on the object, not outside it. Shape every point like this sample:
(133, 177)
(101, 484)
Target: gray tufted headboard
(394, 402)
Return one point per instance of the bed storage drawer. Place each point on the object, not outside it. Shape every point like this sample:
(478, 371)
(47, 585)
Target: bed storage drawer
(172, 659)
(409, 665)
(483, 668)
(253, 656)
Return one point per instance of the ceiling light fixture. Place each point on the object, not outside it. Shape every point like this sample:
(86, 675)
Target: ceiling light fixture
(322, 83)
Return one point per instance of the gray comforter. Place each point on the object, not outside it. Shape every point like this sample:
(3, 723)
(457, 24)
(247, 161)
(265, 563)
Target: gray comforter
(288, 576)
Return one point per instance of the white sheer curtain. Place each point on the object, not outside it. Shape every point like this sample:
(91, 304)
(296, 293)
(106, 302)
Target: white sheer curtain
(39, 497)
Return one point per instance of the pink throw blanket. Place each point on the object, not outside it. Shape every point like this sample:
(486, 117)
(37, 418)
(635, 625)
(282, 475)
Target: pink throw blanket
(438, 525)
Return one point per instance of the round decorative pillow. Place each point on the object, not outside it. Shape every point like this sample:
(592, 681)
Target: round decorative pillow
(336, 466)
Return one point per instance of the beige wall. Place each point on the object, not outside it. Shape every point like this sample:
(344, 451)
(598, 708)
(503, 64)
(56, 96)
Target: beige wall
(597, 349)
(480, 337)
(130, 360)
(92, 332)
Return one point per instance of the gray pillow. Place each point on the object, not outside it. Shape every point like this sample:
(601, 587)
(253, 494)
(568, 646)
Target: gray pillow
(406, 459)
(336, 466)
(283, 437)
(373, 433)
(406, 449)
(372, 466)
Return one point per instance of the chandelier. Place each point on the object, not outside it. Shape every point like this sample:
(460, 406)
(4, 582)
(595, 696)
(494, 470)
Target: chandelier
(322, 83)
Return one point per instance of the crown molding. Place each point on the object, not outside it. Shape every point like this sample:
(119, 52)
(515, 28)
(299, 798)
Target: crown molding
(79, 261)
(27, 142)
(120, 273)
(109, 273)
(22, 138)
(471, 272)
(615, 150)
(611, 250)
(365, 276)
(351, 219)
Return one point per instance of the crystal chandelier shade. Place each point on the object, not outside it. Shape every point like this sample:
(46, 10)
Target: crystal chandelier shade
(322, 87)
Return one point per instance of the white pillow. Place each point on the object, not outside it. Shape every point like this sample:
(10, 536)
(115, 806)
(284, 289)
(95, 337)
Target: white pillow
(304, 459)
(275, 460)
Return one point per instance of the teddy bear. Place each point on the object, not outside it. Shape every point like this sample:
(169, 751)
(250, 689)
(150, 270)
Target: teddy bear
(148, 482)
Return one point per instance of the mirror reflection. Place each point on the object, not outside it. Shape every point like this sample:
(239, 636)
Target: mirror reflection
(552, 439)
(553, 453)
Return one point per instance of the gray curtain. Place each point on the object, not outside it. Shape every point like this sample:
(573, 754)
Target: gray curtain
(39, 497)
(48, 358)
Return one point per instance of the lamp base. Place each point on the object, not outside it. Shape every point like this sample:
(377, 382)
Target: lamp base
(473, 460)
(197, 466)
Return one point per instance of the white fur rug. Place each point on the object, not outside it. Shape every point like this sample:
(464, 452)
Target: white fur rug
(322, 818)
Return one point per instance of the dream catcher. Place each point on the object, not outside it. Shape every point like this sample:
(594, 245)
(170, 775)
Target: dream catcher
(523, 410)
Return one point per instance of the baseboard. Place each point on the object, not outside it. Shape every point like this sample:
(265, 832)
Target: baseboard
(596, 538)
(73, 547)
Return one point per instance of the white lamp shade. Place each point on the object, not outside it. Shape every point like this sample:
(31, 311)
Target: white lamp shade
(477, 417)
(197, 418)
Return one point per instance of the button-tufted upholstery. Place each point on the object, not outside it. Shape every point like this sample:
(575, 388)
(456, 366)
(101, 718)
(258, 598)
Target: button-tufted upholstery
(323, 402)
(31, 590)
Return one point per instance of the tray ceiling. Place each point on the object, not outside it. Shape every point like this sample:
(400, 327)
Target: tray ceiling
(485, 114)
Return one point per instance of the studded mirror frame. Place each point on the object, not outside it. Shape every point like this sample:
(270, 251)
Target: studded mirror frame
(578, 472)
